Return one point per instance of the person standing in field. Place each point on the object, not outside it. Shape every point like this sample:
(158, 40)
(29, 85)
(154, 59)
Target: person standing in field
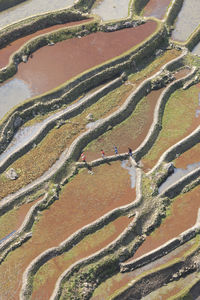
(102, 153)
(83, 157)
(115, 149)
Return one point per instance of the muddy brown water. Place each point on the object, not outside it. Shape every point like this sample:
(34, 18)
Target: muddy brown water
(81, 202)
(111, 285)
(185, 207)
(156, 8)
(88, 246)
(53, 65)
(6, 52)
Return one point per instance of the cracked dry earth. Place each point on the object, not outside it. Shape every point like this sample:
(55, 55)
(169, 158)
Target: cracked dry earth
(114, 227)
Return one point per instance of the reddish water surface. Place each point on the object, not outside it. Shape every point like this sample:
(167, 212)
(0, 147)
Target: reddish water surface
(52, 66)
(81, 202)
(6, 52)
(156, 8)
(89, 245)
(185, 207)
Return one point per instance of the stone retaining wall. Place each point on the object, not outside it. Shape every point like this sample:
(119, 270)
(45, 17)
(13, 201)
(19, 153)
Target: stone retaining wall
(76, 86)
(91, 99)
(162, 250)
(158, 114)
(28, 26)
(173, 12)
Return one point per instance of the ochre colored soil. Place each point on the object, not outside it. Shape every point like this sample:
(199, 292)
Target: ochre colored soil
(45, 281)
(83, 200)
(13, 219)
(185, 207)
(189, 157)
(178, 122)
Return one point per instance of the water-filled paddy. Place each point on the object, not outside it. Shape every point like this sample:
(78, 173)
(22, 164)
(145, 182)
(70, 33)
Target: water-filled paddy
(120, 280)
(111, 9)
(187, 20)
(30, 8)
(42, 73)
(6, 52)
(156, 8)
(45, 281)
(181, 105)
(196, 49)
(80, 203)
(184, 207)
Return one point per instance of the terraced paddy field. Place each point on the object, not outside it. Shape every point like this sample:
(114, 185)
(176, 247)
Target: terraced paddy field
(99, 150)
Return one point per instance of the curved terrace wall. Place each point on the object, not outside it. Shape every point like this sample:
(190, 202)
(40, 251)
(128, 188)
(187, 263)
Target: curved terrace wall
(75, 87)
(25, 27)
(5, 4)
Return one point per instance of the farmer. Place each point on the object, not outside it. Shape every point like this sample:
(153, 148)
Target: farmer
(102, 153)
(116, 151)
(130, 152)
(83, 157)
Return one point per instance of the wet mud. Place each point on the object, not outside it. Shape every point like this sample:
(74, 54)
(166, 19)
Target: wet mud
(81, 197)
(70, 58)
(45, 281)
(184, 207)
(130, 133)
(120, 280)
(156, 8)
(11, 221)
(181, 105)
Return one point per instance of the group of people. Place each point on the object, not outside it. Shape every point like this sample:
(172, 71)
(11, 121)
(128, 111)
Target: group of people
(130, 153)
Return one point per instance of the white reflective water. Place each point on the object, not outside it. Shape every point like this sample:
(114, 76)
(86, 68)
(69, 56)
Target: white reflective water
(178, 174)
(25, 134)
(188, 19)
(30, 8)
(112, 9)
(196, 49)
(131, 170)
(12, 93)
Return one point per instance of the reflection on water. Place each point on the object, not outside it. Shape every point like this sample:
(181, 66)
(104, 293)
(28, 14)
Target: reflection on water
(131, 170)
(12, 93)
(156, 8)
(30, 8)
(7, 236)
(93, 124)
(196, 49)
(112, 9)
(178, 174)
(188, 19)
(25, 134)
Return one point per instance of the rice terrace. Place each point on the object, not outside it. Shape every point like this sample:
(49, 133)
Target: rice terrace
(99, 149)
